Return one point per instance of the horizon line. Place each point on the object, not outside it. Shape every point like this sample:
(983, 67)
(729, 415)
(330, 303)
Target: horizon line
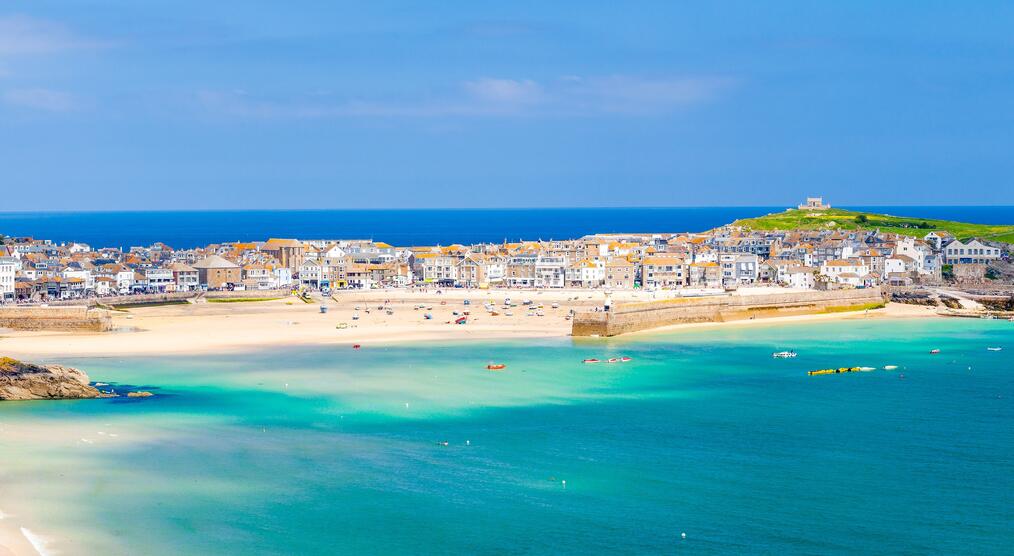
(374, 209)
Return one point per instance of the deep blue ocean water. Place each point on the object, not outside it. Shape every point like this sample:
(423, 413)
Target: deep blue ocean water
(186, 229)
(326, 450)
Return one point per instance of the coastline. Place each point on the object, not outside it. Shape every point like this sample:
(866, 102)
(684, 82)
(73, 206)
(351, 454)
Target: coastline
(194, 329)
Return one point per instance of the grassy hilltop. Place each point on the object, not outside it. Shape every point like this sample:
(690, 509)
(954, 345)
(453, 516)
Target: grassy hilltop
(847, 219)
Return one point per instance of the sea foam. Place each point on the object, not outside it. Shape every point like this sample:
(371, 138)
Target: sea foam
(37, 542)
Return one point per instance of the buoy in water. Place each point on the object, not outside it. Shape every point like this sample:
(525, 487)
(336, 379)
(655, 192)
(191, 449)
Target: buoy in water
(683, 536)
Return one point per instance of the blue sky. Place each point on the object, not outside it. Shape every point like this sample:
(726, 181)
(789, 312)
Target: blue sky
(184, 104)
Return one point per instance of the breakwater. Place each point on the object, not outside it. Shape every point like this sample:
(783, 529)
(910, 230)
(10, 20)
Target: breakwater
(632, 317)
(55, 318)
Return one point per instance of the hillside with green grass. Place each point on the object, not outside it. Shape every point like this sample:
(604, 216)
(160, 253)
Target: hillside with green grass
(794, 219)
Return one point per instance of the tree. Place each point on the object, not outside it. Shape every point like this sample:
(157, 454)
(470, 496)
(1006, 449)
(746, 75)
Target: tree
(862, 219)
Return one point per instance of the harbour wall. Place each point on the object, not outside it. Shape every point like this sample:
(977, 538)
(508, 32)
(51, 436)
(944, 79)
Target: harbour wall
(632, 317)
(156, 298)
(55, 318)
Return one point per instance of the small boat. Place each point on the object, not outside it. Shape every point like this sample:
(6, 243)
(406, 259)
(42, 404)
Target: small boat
(555, 305)
(890, 367)
(356, 346)
(461, 320)
(613, 360)
(355, 316)
(994, 348)
(496, 367)
(428, 316)
(783, 354)
(834, 371)
(934, 351)
(323, 308)
(592, 360)
(624, 359)
(867, 369)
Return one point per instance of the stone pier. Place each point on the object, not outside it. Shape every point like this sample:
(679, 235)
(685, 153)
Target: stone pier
(632, 317)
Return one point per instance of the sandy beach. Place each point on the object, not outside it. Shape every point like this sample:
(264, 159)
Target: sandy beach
(384, 317)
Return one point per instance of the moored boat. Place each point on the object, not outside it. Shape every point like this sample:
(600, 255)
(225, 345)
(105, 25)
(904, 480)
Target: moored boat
(994, 348)
(624, 359)
(834, 371)
(592, 360)
(890, 367)
(496, 367)
(934, 351)
(783, 354)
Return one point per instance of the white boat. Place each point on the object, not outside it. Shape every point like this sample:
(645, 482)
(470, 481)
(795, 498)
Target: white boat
(867, 369)
(783, 354)
(890, 367)
(994, 348)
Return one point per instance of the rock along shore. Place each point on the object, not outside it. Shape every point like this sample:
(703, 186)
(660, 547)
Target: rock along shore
(26, 381)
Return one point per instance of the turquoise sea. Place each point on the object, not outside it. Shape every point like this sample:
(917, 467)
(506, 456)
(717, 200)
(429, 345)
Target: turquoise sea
(333, 451)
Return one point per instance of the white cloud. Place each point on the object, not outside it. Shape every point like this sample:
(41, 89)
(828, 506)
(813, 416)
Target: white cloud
(489, 89)
(41, 99)
(27, 35)
(633, 95)
(491, 97)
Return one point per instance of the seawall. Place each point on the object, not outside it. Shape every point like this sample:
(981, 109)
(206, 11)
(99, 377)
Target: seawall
(632, 317)
(55, 318)
(157, 298)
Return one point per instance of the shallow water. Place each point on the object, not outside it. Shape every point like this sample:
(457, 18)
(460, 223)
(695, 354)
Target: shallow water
(335, 451)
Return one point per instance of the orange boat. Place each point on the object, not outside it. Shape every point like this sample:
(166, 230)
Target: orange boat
(496, 367)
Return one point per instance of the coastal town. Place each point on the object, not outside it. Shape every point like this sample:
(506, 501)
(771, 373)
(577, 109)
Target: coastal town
(726, 258)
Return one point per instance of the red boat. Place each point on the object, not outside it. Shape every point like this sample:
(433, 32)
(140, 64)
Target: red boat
(591, 361)
(461, 320)
(356, 346)
(624, 359)
(496, 367)
(613, 360)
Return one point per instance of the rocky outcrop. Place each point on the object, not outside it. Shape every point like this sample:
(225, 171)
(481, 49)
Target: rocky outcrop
(25, 381)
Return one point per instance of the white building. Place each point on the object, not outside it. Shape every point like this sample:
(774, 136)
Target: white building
(972, 252)
(7, 270)
(845, 271)
(550, 272)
